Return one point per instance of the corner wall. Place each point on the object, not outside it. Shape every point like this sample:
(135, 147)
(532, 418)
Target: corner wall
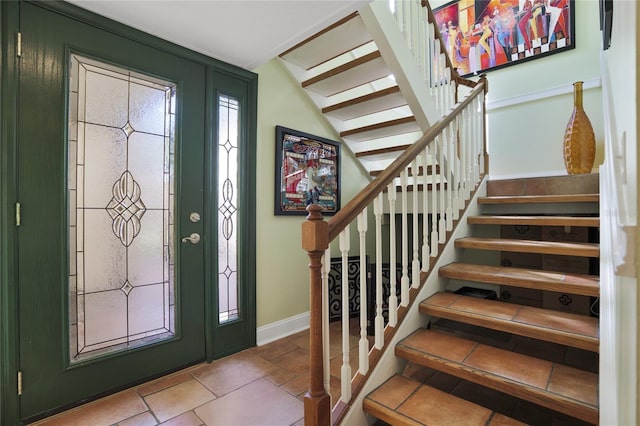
(282, 283)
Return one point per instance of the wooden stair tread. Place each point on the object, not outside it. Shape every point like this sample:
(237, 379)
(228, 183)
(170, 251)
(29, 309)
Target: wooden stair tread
(578, 331)
(362, 70)
(525, 199)
(382, 129)
(535, 220)
(411, 172)
(381, 100)
(403, 401)
(379, 151)
(586, 285)
(555, 386)
(335, 40)
(530, 246)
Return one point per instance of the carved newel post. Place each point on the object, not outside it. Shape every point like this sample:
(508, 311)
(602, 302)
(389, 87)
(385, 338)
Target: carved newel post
(315, 240)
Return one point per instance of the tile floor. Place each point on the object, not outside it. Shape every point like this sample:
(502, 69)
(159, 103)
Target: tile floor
(259, 386)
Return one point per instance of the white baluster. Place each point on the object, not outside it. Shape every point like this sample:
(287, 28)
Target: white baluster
(442, 225)
(379, 321)
(364, 342)
(448, 142)
(475, 170)
(404, 281)
(345, 371)
(468, 167)
(455, 163)
(434, 202)
(483, 131)
(415, 264)
(326, 366)
(393, 298)
(426, 260)
(431, 77)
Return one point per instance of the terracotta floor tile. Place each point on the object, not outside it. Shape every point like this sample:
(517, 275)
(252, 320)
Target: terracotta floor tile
(578, 384)
(440, 344)
(436, 408)
(298, 385)
(418, 373)
(228, 374)
(143, 419)
(506, 187)
(394, 392)
(536, 186)
(106, 411)
(441, 299)
(275, 349)
(296, 361)
(573, 323)
(518, 367)
(187, 419)
(485, 307)
(259, 403)
(163, 383)
(500, 420)
(280, 376)
(173, 401)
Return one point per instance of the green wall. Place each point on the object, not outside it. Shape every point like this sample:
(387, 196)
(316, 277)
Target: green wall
(282, 284)
(525, 138)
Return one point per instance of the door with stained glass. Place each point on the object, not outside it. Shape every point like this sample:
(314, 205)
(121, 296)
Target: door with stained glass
(111, 187)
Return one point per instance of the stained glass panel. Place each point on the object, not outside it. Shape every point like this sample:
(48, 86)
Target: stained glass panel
(228, 110)
(120, 209)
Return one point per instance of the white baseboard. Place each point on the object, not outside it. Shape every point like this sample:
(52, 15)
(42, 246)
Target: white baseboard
(283, 328)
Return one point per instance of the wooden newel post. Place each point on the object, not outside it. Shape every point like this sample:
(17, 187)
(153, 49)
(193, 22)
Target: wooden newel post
(315, 240)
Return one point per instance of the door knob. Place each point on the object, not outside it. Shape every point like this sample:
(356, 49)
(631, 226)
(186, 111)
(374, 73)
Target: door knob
(193, 238)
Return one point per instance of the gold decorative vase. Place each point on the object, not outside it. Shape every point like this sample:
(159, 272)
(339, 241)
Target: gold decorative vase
(579, 139)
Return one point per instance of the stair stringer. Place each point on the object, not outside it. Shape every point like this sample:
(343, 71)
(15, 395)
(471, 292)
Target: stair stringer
(389, 364)
(385, 32)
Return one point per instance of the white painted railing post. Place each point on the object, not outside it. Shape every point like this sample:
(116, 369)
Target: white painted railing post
(345, 371)
(379, 320)
(393, 298)
(364, 342)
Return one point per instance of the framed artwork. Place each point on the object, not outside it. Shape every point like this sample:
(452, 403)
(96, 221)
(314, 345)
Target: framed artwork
(484, 35)
(307, 172)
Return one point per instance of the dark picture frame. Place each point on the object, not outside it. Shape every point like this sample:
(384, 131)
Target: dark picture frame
(307, 172)
(485, 35)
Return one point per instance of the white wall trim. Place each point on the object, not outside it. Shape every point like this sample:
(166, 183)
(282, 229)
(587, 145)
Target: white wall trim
(283, 328)
(547, 173)
(542, 94)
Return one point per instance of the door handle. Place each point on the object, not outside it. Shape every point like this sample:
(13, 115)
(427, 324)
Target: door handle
(193, 238)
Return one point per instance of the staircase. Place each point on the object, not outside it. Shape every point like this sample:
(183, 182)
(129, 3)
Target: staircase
(483, 361)
(364, 93)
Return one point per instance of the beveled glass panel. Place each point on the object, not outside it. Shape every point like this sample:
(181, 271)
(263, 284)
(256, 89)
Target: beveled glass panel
(120, 209)
(228, 109)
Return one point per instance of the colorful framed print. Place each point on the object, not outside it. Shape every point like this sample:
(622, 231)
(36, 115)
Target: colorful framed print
(484, 35)
(307, 172)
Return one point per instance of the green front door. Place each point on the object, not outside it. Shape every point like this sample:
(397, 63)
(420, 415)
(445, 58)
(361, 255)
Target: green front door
(110, 183)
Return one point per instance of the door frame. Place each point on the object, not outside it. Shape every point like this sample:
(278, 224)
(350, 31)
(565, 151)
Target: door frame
(246, 86)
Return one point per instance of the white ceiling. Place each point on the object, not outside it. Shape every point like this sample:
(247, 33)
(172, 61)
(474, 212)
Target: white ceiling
(245, 33)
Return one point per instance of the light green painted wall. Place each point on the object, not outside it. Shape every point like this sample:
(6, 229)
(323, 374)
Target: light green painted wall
(526, 139)
(282, 273)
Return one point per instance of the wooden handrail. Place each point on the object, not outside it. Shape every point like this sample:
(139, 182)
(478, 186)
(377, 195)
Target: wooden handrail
(348, 213)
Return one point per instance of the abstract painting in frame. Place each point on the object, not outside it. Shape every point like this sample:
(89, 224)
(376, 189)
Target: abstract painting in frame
(307, 172)
(484, 35)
